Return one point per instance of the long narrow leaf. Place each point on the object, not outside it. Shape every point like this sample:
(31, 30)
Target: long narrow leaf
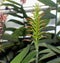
(20, 56)
(16, 21)
(10, 29)
(9, 4)
(29, 57)
(47, 56)
(48, 2)
(15, 15)
(56, 60)
(49, 28)
(54, 49)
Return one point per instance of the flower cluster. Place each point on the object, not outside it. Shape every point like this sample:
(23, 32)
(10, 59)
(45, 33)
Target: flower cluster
(3, 18)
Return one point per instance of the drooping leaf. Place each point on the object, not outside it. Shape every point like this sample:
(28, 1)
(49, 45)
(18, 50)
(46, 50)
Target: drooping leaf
(7, 45)
(15, 15)
(49, 28)
(21, 55)
(54, 49)
(56, 60)
(48, 16)
(48, 41)
(47, 56)
(10, 4)
(17, 21)
(45, 51)
(48, 2)
(10, 29)
(29, 57)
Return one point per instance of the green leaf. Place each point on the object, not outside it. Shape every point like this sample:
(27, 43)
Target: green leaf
(48, 2)
(47, 56)
(48, 41)
(45, 51)
(32, 60)
(15, 15)
(15, 7)
(16, 21)
(10, 29)
(29, 57)
(21, 55)
(10, 4)
(48, 16)
(54, 49)
(48, 28)
(7, 45)
(56, 60)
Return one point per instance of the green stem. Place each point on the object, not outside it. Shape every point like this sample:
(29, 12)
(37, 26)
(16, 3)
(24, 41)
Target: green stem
(37, 55)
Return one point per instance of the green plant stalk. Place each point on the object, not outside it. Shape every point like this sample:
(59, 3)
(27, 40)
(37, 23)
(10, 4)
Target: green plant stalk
(37, 50)
(37, 25)
(36, 29)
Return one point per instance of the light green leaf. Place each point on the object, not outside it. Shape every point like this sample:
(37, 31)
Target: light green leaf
(45, 51)
(29, 57)
(47, 56)
(21, 55)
